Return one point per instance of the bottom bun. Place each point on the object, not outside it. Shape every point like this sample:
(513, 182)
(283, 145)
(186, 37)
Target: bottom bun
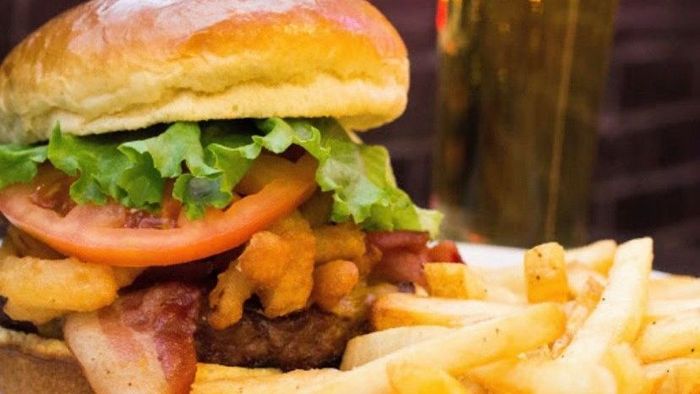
(30, 364)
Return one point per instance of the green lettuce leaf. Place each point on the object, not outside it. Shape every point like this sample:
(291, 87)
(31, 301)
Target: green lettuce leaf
(206, 164)
(19, 164)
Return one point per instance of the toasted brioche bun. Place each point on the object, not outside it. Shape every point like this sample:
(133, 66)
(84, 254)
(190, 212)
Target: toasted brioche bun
(113, 65)
(30, 364)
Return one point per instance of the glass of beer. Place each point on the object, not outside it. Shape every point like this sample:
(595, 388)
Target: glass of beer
(520, 83)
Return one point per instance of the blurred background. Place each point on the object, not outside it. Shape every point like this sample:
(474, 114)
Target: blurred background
(647, 174)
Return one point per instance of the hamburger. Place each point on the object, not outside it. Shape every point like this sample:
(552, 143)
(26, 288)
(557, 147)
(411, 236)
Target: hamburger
(183, 184)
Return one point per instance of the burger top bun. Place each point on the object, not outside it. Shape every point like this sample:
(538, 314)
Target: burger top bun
(112, 65)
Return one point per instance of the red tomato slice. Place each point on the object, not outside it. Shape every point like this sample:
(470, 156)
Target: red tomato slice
(91, 233)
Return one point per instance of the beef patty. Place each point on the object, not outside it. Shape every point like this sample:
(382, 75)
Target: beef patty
(307, 339)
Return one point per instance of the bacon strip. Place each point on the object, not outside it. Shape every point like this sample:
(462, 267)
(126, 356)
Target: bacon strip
(405, 252)
(143, 343)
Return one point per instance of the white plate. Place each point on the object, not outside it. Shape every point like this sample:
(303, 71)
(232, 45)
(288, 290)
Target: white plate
(489, 255)
(502, 256)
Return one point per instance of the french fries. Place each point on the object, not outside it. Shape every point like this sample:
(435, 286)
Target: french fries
(627, 370)
(577, 312)
(212, 372)
(674, 336)
(268, 382)
(451, 280)
(674, 287)
(459, 351)
(610, 329)
(680, 375)
(407, 378)
(365, 348)
(398, 309)
(542, 376)
(659, 309)
(618, 315)
(597, 256)
(545, 273)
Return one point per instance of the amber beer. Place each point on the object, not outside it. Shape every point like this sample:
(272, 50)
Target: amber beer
(520, 83)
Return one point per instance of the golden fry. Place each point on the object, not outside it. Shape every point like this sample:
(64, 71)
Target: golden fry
(674, 376)
(397, 310)
(597, 256)
(674, 287)
(579, 277)
(536, 376)
(408, 378)
(365, 348)
(460, 350)
(577, 312)
(545, 273)
(452, 280)
(671, 337)
(627, 369)
(213, 372)
(268, 383)
(618, 315)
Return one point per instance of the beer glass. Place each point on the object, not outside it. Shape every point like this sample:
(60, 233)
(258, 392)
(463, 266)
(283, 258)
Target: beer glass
(520, 83)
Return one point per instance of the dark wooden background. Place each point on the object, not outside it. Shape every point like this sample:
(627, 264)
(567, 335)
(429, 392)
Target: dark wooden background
(647, 180)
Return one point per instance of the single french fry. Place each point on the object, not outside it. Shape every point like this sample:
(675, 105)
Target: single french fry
(511, 277)
(674, 287)
(471, 386)
(628, 371)
(545, 273)
(211, 372)
(451, 280)
(597, 256)
(659, 309)
(671, 337)
(577, 312)
(268, 383)
(365, 348)
(534, 376)
(408, 378)
(496, 293)
(618, 315)
(678, 375)
(579, 278)
(459, 351)
(398, 309)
